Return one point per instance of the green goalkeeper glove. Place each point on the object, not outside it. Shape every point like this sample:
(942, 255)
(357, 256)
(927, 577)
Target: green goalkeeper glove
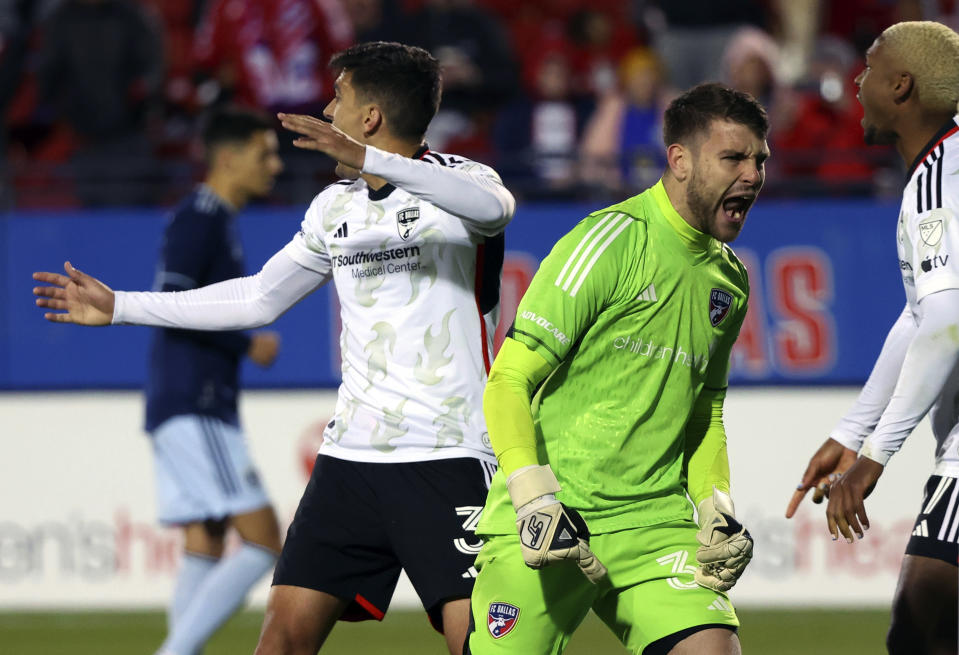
(548, 530)
(726, 547)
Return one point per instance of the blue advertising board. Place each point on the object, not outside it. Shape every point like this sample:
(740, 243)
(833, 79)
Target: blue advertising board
(824, 278)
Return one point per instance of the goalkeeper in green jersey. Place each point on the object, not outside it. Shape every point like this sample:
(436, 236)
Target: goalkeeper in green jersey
(604, 408)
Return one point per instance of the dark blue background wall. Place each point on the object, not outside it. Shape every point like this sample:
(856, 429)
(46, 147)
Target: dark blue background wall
(824, 275)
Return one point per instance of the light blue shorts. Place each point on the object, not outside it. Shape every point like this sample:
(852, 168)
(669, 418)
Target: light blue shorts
(203, 471)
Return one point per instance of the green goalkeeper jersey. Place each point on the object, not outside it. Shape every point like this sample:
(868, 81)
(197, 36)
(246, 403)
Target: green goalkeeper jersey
(638, 312)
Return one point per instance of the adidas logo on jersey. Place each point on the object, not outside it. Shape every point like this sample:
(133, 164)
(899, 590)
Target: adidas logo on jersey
(649, 293)
(341, 232)
(720, 605)
(922, 530)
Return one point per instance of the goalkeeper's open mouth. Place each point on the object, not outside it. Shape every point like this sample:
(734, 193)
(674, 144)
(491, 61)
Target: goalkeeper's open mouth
(736, 205)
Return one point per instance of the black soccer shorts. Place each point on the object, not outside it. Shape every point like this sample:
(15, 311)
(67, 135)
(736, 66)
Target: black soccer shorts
(936, 533)
(359, 523)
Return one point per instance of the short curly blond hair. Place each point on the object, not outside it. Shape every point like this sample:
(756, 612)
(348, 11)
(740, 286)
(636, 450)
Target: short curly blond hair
(930, 52)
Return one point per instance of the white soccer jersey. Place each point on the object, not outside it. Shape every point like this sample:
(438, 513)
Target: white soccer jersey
(419, 291)
(928, 232)
(927, 236)
(917, 371)
(417, 268)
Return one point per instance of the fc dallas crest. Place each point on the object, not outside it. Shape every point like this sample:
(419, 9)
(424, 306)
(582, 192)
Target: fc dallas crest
(406, 221)
(501, 619)
(719, 303)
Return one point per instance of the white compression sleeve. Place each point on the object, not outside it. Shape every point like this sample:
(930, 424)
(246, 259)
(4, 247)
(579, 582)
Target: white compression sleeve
(862, 418)
(930, 359)
(481, 200)
(237, 304)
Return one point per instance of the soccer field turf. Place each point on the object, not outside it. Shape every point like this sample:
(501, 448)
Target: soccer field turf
(769, 632)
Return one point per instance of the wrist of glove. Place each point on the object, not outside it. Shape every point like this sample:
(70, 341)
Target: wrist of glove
(726, 546)
(548, 530)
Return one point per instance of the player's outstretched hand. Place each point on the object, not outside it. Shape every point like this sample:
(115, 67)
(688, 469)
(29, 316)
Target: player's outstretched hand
(826, 466)
(78, 297)
(726, 546)
(264, 347)
(548, 530)
(846, 512)
(324, 137)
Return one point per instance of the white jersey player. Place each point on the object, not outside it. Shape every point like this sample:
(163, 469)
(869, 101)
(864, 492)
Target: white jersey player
(909, 92)
(413, 242)
(927, 236)
(418, 292)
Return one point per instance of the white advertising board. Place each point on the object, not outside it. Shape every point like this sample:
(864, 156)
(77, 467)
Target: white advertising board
(77, 526)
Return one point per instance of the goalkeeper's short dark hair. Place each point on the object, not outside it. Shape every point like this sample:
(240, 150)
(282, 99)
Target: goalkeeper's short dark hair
(691, 113)
(403, 80)
(231, 125)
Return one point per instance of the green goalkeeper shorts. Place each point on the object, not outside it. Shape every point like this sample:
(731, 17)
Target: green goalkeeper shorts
(649, 594)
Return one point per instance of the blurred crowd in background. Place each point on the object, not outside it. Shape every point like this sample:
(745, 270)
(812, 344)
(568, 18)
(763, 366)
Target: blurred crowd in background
(100, 98)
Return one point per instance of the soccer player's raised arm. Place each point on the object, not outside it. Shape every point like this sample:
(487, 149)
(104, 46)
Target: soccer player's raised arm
(470, 190)
(77, 297)
(232, 305)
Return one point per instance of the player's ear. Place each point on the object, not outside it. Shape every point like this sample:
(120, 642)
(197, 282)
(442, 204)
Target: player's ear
(372, 120)
(902, 91)
(680, 161)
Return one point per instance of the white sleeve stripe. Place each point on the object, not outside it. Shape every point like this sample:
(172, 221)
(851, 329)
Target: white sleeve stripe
(937, 495)
(588, 250)
(945, 519)
(576, 253)
(599, 252)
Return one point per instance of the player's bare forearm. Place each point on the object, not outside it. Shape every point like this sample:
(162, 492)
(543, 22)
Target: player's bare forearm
(77, 297)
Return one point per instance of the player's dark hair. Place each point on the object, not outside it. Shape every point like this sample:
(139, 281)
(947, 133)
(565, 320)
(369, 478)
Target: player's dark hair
(690, 114)
(234, 125)
(403, 80)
